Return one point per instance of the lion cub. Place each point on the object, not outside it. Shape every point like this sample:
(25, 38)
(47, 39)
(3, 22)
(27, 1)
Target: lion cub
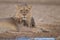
(24, 15)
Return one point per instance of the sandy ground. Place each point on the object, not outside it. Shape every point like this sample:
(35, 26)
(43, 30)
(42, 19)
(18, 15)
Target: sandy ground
(9, 29)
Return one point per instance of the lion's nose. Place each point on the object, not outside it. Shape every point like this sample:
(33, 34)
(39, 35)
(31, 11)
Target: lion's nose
(24, 12)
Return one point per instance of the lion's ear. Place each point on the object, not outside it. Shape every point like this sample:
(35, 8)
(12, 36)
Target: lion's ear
(29, 6)
(17, 7)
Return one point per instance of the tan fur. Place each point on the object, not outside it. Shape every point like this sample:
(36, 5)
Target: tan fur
(19, 15)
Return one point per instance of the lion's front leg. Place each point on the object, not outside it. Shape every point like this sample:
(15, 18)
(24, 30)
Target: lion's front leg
(29, 23)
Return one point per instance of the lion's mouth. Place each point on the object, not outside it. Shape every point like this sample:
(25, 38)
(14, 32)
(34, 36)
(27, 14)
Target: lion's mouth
(24, 14)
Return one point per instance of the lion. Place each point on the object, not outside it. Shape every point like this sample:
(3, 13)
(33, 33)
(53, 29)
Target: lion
(24, 15)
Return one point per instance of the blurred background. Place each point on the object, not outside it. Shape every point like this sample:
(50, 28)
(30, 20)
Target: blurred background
(45, 11)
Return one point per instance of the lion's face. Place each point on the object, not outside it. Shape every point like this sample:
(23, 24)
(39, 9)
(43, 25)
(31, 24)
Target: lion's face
(24, 10)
